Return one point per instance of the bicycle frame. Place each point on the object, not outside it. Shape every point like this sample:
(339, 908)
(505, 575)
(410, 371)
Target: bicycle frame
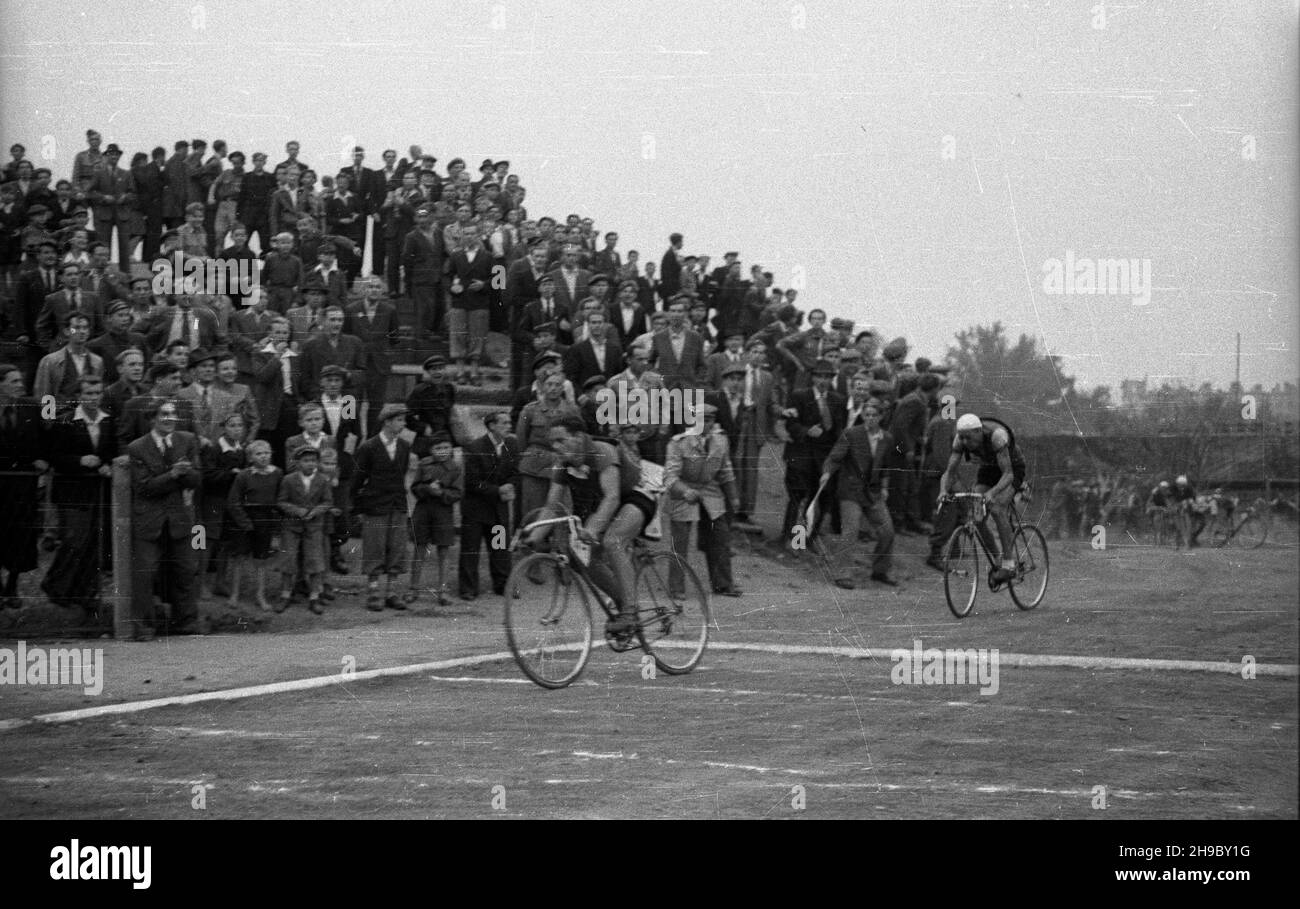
(977, 517)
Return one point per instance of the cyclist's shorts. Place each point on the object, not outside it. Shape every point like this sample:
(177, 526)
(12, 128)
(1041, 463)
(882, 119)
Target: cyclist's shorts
(640, 501)
(989, 474)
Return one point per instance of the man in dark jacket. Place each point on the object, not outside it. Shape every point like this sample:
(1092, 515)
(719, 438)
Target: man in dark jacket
(491, 484)
(379, 493)
(165, 471)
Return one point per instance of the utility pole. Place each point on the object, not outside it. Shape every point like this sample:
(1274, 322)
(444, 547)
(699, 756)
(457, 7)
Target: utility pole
(1237, 382)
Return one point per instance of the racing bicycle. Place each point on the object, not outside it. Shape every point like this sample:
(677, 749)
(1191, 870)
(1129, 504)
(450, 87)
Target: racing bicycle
(961, 558)
(548, 607)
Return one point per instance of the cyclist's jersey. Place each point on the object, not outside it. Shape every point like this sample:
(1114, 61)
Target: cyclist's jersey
(1159, 498)
(994, 437)
(1182, 493)
(583, 479)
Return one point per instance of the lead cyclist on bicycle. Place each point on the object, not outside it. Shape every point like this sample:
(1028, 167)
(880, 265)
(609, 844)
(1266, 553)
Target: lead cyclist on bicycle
(1001, 475)
(603, 479)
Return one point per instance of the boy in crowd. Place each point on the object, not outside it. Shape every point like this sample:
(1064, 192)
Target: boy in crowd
(438, 486)
(304, 499)
(379, 493)
(254, 519)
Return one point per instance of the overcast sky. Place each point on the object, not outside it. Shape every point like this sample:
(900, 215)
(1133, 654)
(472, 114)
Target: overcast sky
(915, 163)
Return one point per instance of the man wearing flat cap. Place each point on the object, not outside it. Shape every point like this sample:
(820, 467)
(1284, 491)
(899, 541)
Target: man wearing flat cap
(814, 419)
(116, 338)
(379, 493)
(112, 192)
(429, 406)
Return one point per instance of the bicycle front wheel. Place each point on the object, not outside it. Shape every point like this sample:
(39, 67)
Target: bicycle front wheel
(673, 615)
(1251, 533)
(1030, 582)
(961, 571)
(548, 620)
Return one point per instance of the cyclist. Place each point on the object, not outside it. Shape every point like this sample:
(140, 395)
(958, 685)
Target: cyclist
(1001, 475)
(1189, 515)
(602, 477)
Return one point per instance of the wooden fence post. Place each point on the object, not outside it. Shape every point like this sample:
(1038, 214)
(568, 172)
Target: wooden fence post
(121, 499)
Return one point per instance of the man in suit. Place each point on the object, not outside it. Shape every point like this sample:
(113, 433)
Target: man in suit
(82, 451)
(523, 280)
(907, 427)
(150, 192)
(176, 193)
(374, 321)
(308, 320)
(670, 268)
(335, 348)
(599, 355)
(277, 388)
(744, 416)
(798, 352)
(208, 401)
(288, 204)
(678, 353)
(183, 321)
(113, 193)
(545, 310)
(424, 253)
(35, 283)
(814, 418)
(471, 269)
(165, 470)
(626, 316)
(130, 419)
(379, 493)
(54, 313)
(859, 457)
(491, 485)
(58, 373)
(344, 428)
(129, 384)
(398, 219)
(733, 352)
(570, 280)
(248, 329)
(116, 338)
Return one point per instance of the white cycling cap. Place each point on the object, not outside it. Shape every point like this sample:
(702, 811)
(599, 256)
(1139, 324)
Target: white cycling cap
(968, 421)
(1182, 480)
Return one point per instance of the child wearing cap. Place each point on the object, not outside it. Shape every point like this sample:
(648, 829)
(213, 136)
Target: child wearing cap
(255, 519)
(379, 493)
(439, 484)
(281, 273)
(430, 404)
(304, 499)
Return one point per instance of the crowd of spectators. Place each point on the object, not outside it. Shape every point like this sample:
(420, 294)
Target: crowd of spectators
(266, 417)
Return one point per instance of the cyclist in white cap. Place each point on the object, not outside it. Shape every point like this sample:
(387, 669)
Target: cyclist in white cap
(1001, 474)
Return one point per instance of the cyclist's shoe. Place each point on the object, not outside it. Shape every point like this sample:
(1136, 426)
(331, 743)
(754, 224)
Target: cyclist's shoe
(936, 563)
(622, 624)
(1002, 575)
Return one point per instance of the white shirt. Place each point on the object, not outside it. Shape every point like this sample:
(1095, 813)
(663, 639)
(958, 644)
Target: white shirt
(750, 378)
(333, 410)
(390, 445)
(873, 438)
(570, 281)
(598, 347)
(306, 481)
(163, 442)
(226, 445)
(629, 315)
(92, 426)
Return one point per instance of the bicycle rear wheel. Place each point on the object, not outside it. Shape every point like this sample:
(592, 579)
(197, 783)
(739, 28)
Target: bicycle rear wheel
(1030, 582)
(548, 620)
(1251, 533)
(674, 629)
(961, 571)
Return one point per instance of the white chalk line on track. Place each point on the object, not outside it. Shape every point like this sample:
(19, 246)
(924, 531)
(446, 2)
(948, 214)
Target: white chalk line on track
(1005, 660)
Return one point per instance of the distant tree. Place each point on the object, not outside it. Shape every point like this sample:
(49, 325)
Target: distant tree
(1017, 381)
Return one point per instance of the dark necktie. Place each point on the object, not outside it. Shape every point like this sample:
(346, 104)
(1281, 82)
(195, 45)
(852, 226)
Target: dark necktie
(825, 412)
